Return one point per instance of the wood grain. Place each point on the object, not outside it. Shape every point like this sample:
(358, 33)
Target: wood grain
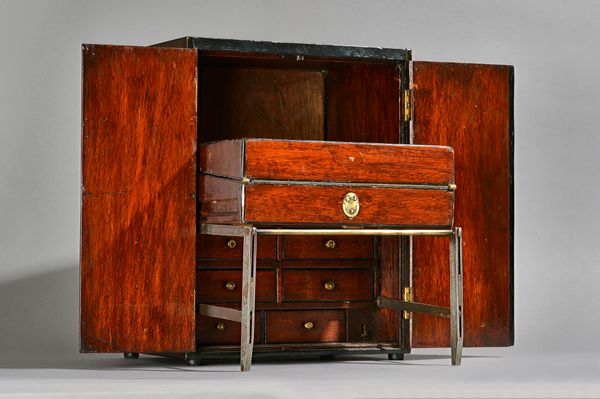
(211, 286)
(309, 285)
(288, 326)
(467, 106)
(222, 158)
(240, 102)
(314, 247)
(348, 162)
(323, 205)
(219, 200)
(207, 332)
(363, 103)
(217, 247)
(138, 199)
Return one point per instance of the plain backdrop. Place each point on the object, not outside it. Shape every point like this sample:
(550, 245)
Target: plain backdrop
(553, 45)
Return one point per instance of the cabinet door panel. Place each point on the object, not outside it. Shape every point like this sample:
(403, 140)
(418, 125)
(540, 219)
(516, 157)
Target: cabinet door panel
(470, 108)
(138, 232)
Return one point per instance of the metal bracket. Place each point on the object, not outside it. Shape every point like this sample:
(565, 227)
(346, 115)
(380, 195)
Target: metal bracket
(407, 107)
(407, 296)
(404, 306)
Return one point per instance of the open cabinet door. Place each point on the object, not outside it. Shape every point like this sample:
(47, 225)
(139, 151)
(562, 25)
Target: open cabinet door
(469, 107)
(138, 227)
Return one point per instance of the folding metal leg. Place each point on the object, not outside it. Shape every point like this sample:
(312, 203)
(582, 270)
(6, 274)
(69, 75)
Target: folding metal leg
(248, 293)
(456, 296)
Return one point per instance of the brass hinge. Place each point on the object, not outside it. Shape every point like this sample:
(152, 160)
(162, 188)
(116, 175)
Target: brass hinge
(407, 296)
(407, 109)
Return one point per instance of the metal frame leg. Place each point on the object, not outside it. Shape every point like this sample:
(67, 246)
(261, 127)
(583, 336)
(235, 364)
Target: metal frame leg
(248, 294)
(456, 297)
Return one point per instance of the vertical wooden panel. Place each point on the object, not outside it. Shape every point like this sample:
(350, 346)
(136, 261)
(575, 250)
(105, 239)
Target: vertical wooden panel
(468, 107)
(138, 199)
(363, 103)
(238, 102)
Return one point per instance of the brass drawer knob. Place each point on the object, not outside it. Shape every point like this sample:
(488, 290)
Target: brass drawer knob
(220, 326)
(231, 244)
(330, 244)
(309, 325)
(329, 285)
(230, 285)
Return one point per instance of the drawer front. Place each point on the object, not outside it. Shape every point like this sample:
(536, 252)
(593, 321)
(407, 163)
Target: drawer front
(327, 285)
(306, 326)
(226, 286)
(213, 331)
(328, 247)
(223, 247)
(290, 204)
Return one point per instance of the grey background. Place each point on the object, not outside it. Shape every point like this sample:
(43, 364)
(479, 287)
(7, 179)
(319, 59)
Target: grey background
(553, 45)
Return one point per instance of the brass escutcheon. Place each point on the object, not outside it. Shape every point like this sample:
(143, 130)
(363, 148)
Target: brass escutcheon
(220, 326)
(309, 325)
(330, 244)
(230, 285)
(351, 205)
(329, 285)
(231, 244)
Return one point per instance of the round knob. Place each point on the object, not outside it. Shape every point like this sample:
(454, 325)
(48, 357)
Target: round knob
(309, 325)
(231, 244)
(330, 244)
(329, 285)
(230, 285)
(220, 326)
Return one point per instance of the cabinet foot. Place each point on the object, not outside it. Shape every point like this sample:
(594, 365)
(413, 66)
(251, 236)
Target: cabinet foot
(396, 356)
(131, 355)
(191, 362)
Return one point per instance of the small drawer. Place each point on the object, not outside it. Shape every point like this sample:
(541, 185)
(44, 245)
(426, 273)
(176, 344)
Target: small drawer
(328, 247)
(223, 247)
(213, 331)
(226, 286)
(306, 326)
(301, 285)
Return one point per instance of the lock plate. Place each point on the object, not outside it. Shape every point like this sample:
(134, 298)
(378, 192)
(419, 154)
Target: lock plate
(351, 205)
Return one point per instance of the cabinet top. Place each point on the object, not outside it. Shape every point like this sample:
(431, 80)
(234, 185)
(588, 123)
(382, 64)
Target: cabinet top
(297, 49)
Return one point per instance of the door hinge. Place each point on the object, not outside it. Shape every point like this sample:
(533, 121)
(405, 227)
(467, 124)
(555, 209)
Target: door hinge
(407, 99)
(407, 296)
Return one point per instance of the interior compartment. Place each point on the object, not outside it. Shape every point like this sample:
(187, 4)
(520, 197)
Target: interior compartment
(308, 98)
(251, 95)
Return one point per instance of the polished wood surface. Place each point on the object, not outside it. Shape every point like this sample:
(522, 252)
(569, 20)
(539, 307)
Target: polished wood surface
(328, 247)
(226, 286)
(468, 107)
(363, 103)
(290, 326)
(222, 158)
(329, 161)
(327, 285)
(323, 205)
(260, 102)
(224, 247)
(214, 331)
(138, 226)
(348, 162)
(220, 200)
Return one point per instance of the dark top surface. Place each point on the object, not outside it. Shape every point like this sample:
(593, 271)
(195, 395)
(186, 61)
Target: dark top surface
(298, 49)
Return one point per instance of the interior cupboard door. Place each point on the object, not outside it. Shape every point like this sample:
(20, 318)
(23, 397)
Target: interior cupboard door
(138, 226)
(469, 107)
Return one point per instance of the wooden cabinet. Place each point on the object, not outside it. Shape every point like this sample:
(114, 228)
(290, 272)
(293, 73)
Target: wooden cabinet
(149, 177)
